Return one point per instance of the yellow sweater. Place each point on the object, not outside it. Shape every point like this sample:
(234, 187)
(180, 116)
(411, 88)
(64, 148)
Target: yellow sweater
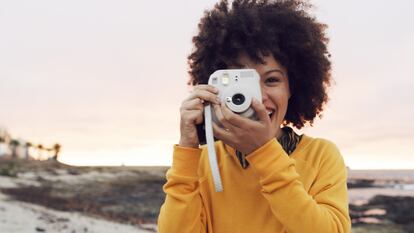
(303, 193)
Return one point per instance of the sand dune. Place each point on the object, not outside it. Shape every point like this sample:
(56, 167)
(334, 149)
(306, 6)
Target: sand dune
(27, 217)
(21, 217)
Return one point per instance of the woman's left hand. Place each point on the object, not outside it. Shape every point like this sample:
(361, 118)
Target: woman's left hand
(241, 133)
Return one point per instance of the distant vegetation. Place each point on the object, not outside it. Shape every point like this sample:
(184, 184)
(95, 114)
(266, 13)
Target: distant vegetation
(19, 148)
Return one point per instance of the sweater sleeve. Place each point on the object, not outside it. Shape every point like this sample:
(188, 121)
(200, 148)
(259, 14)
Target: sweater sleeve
(182, 211)
(324, 209)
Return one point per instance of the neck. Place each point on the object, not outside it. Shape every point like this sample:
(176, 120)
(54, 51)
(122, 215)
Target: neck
(279, 133)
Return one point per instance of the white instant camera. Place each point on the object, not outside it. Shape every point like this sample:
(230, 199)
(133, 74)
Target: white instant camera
(237, 88)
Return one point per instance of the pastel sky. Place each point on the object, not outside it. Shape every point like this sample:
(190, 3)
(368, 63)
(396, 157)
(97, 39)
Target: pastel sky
(106, 78)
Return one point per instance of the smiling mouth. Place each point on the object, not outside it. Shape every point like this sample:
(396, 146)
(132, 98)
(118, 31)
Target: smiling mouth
(270, 113)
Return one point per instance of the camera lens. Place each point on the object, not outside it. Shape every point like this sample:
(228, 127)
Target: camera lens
(238, 99)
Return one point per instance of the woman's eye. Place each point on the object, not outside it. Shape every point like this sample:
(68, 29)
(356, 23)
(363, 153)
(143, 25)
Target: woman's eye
(272, 80)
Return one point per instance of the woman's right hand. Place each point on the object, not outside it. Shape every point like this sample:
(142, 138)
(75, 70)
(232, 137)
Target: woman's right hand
(191, 111)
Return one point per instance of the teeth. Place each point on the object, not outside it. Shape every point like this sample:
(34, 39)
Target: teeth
(269, 112)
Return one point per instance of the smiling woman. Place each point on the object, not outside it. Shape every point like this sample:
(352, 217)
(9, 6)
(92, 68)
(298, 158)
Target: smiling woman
(275, 180)
(275, 90)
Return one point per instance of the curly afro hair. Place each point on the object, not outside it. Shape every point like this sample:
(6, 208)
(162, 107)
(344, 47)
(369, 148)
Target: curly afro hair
(282, 28)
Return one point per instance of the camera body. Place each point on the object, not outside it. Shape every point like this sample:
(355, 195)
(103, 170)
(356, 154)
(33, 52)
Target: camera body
(237, 88)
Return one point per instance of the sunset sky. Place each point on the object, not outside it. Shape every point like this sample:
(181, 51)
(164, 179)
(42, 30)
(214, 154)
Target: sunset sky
(106, 78)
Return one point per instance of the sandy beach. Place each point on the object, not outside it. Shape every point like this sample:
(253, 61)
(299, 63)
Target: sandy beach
(34, 215)
(21, 217)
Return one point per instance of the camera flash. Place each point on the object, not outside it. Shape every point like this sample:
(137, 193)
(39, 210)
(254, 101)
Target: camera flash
(225, 79)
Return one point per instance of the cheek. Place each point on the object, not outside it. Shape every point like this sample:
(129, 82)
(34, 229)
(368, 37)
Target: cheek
(279, 96)
(282, 104)
(281, 100)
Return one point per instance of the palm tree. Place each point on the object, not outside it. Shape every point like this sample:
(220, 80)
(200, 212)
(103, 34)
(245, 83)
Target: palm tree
(56, 148)
(27, 150)
(40, 151)
(14, 144)
(2, 144)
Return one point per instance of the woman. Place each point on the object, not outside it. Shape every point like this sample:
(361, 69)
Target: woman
(274, 179)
